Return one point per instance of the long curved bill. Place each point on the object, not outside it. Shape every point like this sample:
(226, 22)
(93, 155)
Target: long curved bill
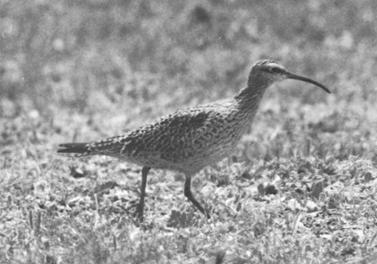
(304, 79)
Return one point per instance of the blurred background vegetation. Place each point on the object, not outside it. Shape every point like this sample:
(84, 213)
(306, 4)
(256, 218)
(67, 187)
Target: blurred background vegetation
(75, 52)
(81, 70)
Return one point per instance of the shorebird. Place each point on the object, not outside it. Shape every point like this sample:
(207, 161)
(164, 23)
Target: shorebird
(190, 139)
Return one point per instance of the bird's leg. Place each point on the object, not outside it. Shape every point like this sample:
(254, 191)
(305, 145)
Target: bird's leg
(189, 196)
(140, 208)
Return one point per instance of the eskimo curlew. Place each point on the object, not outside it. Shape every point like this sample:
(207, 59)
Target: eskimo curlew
(190, 139)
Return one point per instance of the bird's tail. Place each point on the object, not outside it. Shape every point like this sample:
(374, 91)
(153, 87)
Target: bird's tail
(111, 146)
(76, 149)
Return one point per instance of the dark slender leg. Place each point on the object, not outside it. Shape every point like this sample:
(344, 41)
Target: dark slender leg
(140, 209)
(189, 196)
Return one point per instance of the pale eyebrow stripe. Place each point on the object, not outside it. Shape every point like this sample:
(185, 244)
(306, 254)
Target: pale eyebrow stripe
(275, 65)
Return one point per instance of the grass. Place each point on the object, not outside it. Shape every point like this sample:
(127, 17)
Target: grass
(299, 189)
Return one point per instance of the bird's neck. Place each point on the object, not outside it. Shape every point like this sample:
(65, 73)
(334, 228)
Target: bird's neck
(248, 99)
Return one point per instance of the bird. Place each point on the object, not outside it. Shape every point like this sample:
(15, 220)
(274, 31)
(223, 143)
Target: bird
(190, 139)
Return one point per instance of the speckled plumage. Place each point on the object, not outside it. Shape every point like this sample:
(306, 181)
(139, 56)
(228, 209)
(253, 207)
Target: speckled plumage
(193, 138)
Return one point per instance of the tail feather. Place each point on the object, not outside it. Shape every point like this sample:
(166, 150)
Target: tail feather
(111, 146)
(79, 149)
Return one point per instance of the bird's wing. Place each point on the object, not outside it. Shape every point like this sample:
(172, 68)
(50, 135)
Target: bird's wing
(173, 138)
(177, 135)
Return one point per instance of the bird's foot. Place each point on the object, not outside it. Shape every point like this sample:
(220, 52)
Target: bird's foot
(139, 213)
(207, 214)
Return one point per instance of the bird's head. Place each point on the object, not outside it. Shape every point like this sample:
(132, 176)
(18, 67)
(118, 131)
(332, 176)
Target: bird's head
(266, 72)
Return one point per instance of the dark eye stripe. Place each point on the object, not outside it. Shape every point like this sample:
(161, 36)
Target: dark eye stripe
(277, 70)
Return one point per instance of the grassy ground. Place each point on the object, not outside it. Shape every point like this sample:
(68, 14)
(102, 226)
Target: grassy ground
(301, 187)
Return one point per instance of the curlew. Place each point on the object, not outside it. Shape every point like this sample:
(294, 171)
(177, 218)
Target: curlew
(190, 139)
